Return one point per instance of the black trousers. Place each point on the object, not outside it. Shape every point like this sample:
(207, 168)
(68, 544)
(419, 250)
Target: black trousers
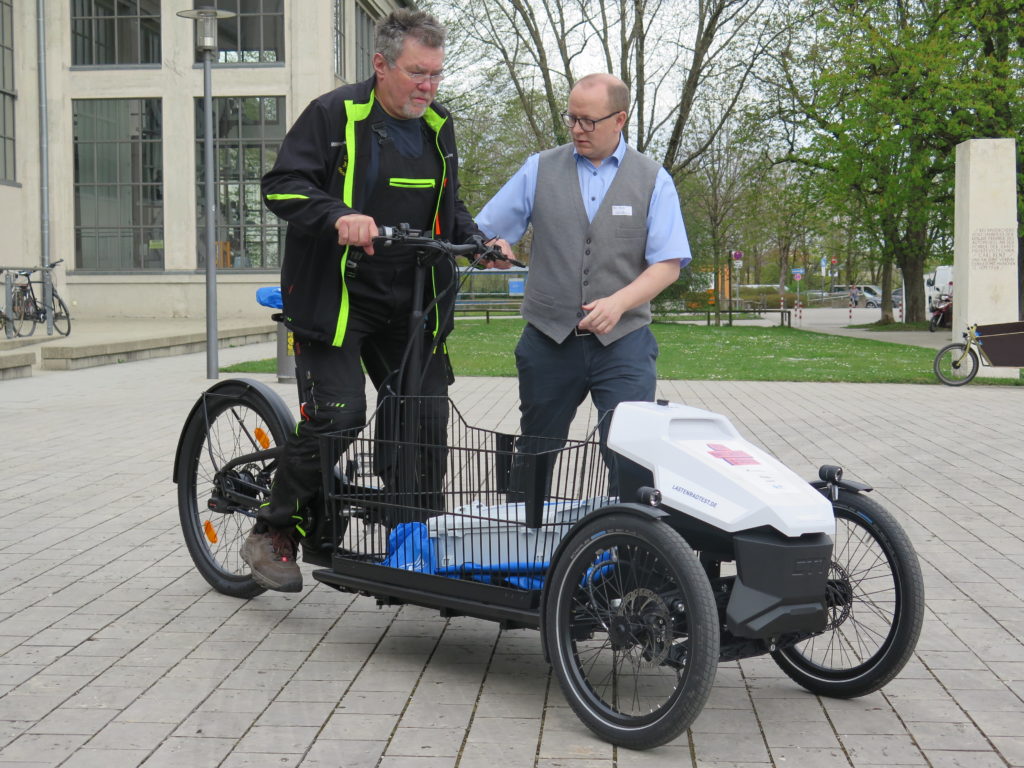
(332, 389)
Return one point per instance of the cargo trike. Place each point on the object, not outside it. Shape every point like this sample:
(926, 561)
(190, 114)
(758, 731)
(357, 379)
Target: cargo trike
(643, 563)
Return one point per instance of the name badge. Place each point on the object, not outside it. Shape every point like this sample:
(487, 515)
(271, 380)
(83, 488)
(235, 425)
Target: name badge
(622, 210)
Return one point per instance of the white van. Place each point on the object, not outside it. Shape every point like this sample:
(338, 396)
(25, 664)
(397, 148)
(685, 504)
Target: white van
(938, 283)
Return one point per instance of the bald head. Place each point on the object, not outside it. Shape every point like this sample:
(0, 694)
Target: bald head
(601, 102)
(616, 92)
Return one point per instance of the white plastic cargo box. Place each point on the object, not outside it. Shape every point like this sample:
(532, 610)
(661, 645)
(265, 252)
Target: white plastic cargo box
(497, 538)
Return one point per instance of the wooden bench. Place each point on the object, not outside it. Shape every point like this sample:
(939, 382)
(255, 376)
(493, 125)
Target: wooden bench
(485, 307)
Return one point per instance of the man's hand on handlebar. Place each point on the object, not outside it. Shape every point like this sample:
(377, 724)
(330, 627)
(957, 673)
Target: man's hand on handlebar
(500, 255)
(357, 229)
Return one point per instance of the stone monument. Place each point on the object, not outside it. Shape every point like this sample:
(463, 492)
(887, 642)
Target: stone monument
(985, 238)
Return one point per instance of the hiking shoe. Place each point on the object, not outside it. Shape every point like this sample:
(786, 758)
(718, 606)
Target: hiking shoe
(271, 556)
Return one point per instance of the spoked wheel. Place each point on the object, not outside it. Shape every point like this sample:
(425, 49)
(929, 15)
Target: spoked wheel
(233, 419)
(876, 606)
(956, 364)
(631, 628)
(61, 316)
(23, 312)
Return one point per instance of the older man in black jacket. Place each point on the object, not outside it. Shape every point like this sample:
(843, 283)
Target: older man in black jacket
(375, 153)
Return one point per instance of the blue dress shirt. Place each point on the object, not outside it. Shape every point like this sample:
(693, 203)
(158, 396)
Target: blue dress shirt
(507, 214)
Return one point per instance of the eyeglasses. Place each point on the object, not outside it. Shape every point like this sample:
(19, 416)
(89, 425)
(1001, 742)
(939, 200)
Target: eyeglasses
(586, 124)
(421, 77)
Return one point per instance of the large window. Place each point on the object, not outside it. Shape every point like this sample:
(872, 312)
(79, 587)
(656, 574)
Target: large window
(247, 133)
(364, 43)
(339, 38)
(7, 93)
(255, 35)
(119, 217)
(105, 32)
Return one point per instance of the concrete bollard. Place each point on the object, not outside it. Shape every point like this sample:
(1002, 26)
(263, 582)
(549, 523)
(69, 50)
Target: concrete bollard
(285, 354)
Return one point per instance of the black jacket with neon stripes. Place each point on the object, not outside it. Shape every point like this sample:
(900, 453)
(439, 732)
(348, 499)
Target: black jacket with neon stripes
(318, 177)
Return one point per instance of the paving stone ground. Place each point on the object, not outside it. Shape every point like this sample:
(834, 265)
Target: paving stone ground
(114, 652)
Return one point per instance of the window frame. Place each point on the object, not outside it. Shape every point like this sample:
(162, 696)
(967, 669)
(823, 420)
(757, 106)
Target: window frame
(136, 190)
(246, 13)
(239, 197)
(90, 44)
(8, 96)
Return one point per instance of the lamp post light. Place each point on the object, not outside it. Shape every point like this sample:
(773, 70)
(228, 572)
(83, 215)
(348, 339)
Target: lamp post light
(206, 43)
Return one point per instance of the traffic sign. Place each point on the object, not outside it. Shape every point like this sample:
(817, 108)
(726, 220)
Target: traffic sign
(798, 276)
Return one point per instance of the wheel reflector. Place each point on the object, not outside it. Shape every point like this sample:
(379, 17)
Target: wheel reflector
(262, 438)
(211, 534)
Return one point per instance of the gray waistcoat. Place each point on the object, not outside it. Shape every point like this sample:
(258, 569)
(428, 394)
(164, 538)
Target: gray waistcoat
(573, 261)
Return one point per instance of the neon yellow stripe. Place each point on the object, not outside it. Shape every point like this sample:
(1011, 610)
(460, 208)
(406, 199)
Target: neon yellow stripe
(354, 113)
(287, 197)
(436, 123)
(413, 183)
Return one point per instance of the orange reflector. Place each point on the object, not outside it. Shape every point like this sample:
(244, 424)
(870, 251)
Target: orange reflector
(262, 438)
(211, 534)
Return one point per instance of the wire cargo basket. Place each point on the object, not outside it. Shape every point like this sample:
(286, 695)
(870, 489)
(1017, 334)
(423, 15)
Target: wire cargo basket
(425, 498)
(1002, 343)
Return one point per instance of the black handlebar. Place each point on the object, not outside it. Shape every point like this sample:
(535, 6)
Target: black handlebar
(417, 238)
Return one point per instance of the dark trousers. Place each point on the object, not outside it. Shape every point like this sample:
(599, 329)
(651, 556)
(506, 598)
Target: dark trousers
(332, 390)
(555, 378)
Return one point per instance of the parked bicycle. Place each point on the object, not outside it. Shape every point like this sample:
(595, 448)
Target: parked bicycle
(27, 308)
(1000, 344)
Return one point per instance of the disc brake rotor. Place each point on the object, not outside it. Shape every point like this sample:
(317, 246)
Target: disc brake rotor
(643, 619)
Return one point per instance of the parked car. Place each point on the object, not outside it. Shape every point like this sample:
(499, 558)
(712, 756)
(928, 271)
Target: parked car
(868, 295)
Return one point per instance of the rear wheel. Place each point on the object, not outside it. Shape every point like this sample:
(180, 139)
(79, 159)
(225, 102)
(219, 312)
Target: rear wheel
(23, 311)
(61, 316)
(231, 420)
(956, 364)
(875, 603)
(631, 628)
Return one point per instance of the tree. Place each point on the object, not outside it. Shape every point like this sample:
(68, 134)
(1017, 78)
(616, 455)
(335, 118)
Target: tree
(880, 95)
(670, 55)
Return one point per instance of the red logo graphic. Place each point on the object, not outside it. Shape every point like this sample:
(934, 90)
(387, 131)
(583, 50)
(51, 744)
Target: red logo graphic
(735, 458)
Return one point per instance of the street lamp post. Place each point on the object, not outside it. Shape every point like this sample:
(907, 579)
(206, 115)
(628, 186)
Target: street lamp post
(206, 43)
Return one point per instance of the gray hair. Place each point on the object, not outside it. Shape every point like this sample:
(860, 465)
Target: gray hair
(403, 23)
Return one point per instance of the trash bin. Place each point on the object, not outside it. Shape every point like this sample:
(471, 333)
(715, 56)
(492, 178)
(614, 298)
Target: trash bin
(271, 297)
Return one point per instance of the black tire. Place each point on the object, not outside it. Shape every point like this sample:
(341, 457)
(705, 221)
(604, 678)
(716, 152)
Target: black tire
(631, 628)
(956, 364)
(61, 316)
(934, 323)
(243, 418)
(876, 606)
(23, 313)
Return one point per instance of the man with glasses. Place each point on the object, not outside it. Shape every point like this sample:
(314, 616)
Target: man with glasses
(380, 152)
(608, 236)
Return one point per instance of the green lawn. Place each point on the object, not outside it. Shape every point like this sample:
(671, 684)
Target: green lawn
(737, 353)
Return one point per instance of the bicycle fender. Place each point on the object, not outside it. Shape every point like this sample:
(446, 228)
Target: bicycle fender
(262, 390)
(644, 510)
(847, 485)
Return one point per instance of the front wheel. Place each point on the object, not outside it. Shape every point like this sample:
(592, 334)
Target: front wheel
(934, 323)
(61, 316)
(233, 419)
(875, 606)
(631, 628)
(956, 364)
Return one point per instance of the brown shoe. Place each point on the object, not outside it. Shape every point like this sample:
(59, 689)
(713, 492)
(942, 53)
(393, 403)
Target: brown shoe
(271, 556)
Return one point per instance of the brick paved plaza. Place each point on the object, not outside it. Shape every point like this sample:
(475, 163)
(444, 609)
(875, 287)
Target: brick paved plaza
(116, 653)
